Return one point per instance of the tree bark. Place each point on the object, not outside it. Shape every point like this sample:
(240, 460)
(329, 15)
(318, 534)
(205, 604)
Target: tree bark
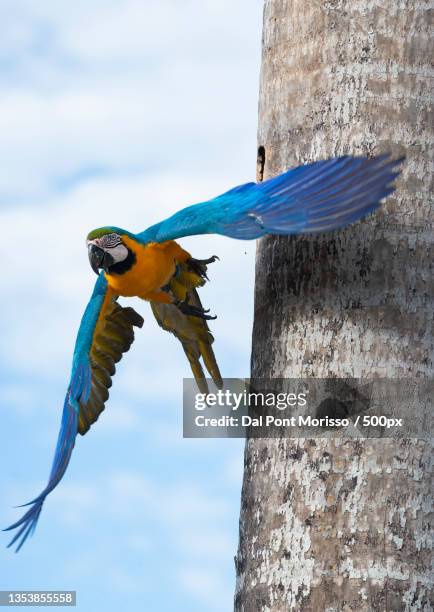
(344, 524)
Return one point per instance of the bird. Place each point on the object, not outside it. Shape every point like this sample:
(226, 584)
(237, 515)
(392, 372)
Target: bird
(313, 198)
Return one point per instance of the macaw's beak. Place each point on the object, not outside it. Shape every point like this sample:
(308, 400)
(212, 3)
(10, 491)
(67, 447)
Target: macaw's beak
(99, 258)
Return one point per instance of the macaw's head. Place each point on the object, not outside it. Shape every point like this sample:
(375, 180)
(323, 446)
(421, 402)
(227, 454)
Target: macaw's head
(106, 249)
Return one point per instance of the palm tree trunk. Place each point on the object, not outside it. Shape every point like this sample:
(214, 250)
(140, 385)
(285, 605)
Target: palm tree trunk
(344, 524)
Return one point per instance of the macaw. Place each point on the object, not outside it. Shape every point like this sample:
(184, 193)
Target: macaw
(314, 198)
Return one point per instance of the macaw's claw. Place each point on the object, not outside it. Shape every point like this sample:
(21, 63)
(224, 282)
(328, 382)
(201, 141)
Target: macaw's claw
(204, 262)
(193, 311)
(210, 260)
(199, 266)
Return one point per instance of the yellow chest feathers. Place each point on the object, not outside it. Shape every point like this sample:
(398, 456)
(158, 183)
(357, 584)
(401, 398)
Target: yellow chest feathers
(154, 265)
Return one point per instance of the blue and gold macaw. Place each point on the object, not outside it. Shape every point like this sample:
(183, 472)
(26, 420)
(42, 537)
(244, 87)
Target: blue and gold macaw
(315, 198)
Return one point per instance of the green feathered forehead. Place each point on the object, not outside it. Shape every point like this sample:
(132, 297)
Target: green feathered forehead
(103, 231)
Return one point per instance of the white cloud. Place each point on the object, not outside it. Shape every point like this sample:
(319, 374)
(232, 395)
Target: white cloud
(122, 113)
(191, 518)
(107, 107)
(207, 586)
(233, 468)
(194, 542)
(131, 495)
(110, 30)
(50, 280)
(118, 419)
(74, 502)
(17, 397)
(135, 85)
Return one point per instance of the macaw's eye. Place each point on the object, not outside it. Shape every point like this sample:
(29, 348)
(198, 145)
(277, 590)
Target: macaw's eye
(109, 241)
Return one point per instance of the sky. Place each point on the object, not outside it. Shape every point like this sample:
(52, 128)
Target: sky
(120, 113)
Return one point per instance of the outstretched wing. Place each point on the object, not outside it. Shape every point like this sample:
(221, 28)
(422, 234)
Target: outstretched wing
(314, 198)
(106, 331)
(192, 332)
(113, 335)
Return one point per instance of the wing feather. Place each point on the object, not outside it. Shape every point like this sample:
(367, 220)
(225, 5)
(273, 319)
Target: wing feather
(105, 333)
(313, 198)
(192, 332)
(114, 335)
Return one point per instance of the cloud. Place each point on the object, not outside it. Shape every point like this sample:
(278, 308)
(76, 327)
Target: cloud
(193, 543)
(126, 494)
(163, 29)
(207, 586)
(121, 113)
(184, 513)
(17, 397)
(74, 502)
(124, 89)
(172, 504)
(189, 515)
(106, 145)
(52, 259)
(233, 467)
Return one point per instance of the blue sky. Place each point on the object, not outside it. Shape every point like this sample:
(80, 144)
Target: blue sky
(120, 113)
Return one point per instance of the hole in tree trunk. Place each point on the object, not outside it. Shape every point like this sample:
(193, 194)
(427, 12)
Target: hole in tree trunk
(260, 164)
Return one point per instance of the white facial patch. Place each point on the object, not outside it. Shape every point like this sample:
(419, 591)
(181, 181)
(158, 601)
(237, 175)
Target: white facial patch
(119, 252)
(111, 244)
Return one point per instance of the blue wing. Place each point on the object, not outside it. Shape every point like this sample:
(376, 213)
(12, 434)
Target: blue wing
(314, 198)
(83, 397)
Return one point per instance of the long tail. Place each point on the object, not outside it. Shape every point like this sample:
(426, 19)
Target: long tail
(65, 443)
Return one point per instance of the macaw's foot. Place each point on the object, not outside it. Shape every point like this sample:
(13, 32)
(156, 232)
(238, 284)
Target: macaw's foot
(193, 311)
(198, 266)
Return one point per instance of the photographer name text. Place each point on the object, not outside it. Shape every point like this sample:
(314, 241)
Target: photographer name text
(296, 421)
